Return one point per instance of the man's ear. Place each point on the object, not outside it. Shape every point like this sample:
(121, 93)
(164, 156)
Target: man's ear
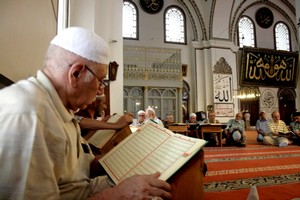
(75, 73)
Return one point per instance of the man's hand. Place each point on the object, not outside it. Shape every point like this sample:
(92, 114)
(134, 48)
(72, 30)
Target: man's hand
(126, 119)
(144, 187)
(104, 119)
(138, 187)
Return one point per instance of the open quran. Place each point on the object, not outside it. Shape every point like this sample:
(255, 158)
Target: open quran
(287, 134)
(150, 149)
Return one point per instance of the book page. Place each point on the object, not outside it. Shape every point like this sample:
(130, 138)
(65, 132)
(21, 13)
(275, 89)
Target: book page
(152, 149)
(101, 137)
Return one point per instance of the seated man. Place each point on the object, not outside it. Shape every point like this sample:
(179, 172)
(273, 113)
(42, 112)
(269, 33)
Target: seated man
(93, 117)
(235, 131)
(193, 118)
(212, 138)
(295, 127)
(150, 115)
(261, 126)
(193, 125)
(141, 118)
(94, 124)
(275, 129)
(169, 120)
(42, 154)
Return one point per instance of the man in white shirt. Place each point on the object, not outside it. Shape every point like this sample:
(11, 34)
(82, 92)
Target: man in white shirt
(141, 118)
(42, 153)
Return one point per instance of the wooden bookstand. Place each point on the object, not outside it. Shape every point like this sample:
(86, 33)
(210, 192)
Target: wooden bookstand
(114, 141)
(187, 183)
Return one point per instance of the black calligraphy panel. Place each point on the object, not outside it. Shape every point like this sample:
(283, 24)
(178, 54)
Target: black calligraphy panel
(266, 67)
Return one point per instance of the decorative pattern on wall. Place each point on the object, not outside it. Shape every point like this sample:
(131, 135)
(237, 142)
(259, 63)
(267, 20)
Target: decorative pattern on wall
(268, 99)
(266, 67)
(148, 65)
(223, 92)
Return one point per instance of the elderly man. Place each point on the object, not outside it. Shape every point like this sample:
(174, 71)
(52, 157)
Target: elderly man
(42, 154)
(141, 118)
(276, 130)
(169, 120)
(192, 118)
(212, 137)
(150, 115)
(295, 127)
(235, 131)
(261, 126)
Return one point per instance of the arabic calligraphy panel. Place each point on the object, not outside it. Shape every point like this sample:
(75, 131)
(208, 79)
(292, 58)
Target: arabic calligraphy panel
(224, 110)
(222, 88)
(268, 67)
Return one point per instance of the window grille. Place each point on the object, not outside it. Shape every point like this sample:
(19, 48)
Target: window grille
(175, 25)
(130, 20)
(282, 37)
(246, 32)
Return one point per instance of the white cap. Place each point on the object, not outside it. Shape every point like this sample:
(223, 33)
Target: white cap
(141, 112)
(236, 136)
(193, 115)
(84, 43)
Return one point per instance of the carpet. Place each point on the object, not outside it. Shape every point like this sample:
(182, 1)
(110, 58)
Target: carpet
(232, 171)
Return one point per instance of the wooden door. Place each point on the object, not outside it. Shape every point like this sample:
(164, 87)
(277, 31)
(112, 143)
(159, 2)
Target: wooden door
(287, 105)
(252, 106)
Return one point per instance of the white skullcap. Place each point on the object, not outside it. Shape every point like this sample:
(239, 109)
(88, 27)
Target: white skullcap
(84, 43)
(236, 136)
(193, 115)
(141, 112)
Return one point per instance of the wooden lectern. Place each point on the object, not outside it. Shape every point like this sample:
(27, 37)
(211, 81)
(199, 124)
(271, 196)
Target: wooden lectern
(114, 141)
(212, 128)
(187, 183)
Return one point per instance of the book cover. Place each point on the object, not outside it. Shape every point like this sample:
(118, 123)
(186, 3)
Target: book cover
(287, 134)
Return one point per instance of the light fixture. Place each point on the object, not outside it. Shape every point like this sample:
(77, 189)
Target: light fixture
(246, 93)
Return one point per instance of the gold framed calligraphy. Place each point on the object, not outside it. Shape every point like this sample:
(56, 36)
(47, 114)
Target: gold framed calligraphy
(268, 68)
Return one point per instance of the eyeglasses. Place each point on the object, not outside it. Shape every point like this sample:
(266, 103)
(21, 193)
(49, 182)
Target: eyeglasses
(102, 84)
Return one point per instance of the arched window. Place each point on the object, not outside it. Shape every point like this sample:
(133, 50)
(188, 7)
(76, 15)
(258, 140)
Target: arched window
(282, 37)
(246, 32)
(133, 99)
(130, 20)
(175, 26)
(163, 101)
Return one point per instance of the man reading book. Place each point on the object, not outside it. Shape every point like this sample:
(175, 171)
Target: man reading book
(93, 117)
(87, 124)
(42, 153)
(295, 127)
(277, 132)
